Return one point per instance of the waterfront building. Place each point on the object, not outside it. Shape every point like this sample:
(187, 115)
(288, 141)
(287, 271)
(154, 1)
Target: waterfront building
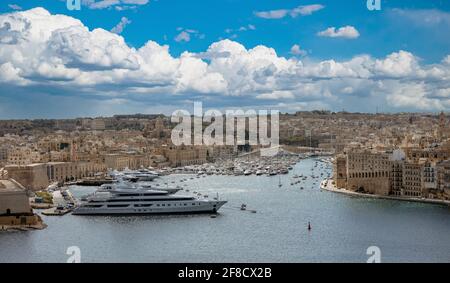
(131, 160)
(32, 176)
(3, 155)
(13, 198)
(340, 171)
(396, 178)
(89, 169)
(15, 207)
(116, 161)
(158, 161)
(39, 176)
(392, 173)
(71, 171)
(368, 172)
(412, 178)
(429, 178)
(443, 178)
(185, 155)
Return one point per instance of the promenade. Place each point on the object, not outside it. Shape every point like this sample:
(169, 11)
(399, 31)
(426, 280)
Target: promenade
(327, 185)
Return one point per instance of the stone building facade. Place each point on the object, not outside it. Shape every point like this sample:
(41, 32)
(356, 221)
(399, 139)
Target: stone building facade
(412, 179)
(385, 173)
(185, 155)
(15, 209)
(13, 199)
(396, 178)
(340, 171)
(38, 176)
(443, 177)
(120, 161)
(32, 176)
(368, 172)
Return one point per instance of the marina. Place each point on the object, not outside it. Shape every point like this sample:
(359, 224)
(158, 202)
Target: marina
(342, 227)
(136, 191)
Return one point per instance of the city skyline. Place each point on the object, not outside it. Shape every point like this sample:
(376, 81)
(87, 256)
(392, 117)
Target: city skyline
(111, 57)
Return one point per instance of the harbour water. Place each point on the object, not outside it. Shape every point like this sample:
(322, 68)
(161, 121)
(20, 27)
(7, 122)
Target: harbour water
(343, 227)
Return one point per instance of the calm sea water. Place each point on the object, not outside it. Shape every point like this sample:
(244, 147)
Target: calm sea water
(343, 228)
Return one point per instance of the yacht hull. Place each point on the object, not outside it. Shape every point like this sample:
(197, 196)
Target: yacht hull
(154, 208)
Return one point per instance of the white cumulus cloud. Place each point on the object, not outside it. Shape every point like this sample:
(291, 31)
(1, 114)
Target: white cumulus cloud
(344, 32)
(297, 50)
(124, 21)
(14, 6)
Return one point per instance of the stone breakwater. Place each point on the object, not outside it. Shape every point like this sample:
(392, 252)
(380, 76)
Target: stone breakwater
(37, 224)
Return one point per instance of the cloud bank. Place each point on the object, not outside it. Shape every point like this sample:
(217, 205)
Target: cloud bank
(59, 55)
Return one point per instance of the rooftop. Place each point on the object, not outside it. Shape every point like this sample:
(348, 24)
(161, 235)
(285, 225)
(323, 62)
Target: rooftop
(10, 186)
(27, 165)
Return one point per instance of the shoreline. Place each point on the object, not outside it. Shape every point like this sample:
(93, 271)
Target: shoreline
(331, 188)
(23, 228)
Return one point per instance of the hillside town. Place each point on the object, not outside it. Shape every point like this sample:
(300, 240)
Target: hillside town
(410, 160)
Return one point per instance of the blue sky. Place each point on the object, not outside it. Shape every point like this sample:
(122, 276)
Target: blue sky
(381, 31)
(420, 28)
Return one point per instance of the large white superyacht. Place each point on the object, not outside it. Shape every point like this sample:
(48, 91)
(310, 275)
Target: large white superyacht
(120, 200)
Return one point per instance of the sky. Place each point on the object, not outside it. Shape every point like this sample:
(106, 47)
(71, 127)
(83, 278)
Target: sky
(156, 56)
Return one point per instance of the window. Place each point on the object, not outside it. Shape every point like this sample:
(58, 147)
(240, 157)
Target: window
(117, 205)
(143, 205)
